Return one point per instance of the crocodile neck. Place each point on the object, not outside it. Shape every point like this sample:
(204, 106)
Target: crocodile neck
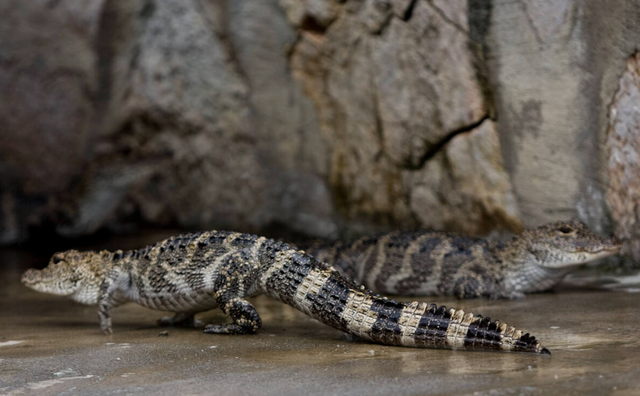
(523, 270)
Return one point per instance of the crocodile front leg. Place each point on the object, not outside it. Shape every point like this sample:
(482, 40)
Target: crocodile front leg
(106, 301)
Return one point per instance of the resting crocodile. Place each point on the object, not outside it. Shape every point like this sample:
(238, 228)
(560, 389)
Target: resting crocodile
(439, 263)
(197, 272)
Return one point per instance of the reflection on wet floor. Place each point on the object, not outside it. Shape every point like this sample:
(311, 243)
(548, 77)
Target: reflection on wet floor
(51, 345)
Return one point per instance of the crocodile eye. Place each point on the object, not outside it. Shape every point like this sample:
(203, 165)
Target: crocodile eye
(566, 230)
(57, 259)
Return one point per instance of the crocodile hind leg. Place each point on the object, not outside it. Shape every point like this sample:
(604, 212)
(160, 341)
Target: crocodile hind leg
(244, 316)
(230, 287)
(180, 319)
(470, 286)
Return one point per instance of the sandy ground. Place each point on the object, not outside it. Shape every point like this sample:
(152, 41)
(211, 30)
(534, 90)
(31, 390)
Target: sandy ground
(52, 346)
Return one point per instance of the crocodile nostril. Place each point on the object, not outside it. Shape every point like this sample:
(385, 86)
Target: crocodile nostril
(28, 276)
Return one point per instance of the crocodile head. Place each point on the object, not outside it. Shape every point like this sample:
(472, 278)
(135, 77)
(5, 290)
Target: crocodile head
(566, 243)
(71, 273)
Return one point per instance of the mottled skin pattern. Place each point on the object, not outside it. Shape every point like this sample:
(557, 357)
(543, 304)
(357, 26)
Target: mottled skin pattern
(198, 272)
(438, 263)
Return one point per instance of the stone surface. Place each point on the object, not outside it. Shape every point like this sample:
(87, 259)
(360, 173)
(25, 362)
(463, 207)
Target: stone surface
(290, 145)
(554, 76)
(468, 178)
(310, 12)
(623, 144)
(190, 106)
(426, 83)
(46, 88)
(321, 117)
(392, 86)
(173, 119)
(544, 144)
(47, 80)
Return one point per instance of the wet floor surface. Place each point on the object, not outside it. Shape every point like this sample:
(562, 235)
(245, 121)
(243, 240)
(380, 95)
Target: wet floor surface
(50, 345)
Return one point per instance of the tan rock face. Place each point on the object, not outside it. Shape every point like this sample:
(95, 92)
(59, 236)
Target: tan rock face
(175, 131)
(623, 146)
(466, 177)
(173, 112)
(45, 94)
(326, 117)
(392, 85)
(300, 12)
(193, 114)
(194, 106)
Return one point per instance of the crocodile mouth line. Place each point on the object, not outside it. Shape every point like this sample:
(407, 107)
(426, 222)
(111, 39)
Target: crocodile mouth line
(597, 254)
(607, 250)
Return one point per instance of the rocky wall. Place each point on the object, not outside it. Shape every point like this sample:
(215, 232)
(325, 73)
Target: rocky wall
(623, 144)
(322, 117)
(399, 91)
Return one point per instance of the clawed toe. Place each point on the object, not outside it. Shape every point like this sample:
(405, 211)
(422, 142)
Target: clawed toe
(215, 329)
(227, 329)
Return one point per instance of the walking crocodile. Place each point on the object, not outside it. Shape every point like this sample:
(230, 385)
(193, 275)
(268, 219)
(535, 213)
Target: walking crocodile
(422, 262)
(193, 273)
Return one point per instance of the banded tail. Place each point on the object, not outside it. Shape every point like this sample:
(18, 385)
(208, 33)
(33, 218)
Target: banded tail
(321, 292)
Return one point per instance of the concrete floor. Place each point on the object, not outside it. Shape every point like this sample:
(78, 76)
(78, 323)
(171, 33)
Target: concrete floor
(50, 345)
